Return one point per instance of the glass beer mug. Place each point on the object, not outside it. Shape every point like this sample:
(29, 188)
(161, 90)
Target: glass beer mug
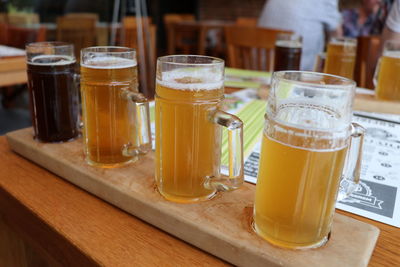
(116, 126)
(341, 57)
(311, 153)
(288, 47)
(386, 78)
(53, 93)
(189, 92)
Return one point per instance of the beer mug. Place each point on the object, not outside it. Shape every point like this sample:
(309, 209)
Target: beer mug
(53, 94)
(287, 52)
(386, 78)
(341, 57)
(310, 154)
(116, 126)
(189, 91)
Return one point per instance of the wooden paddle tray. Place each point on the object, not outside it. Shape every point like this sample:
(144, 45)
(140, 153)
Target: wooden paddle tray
(221, 226)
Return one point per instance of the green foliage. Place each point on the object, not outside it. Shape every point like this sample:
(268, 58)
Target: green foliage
(21, 6)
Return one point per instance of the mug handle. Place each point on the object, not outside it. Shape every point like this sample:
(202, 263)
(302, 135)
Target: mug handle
(352, 166)
(77, 83)
(143, 131)
(376, 73)
(235, 177)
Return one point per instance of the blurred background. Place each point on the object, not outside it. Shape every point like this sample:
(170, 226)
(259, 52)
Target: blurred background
(153, 27)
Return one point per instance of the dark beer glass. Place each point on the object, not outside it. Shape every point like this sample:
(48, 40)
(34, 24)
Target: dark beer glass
(54, 96)
(287, 52)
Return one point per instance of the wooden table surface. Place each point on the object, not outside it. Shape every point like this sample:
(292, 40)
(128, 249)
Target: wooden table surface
(65, 226)
(12, 71)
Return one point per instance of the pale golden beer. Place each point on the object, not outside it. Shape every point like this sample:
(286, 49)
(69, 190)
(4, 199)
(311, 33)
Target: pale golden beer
(341, 57)
(296, 189)
(109, 116)
(302, 164)
(188, 139)
(185, 167)
(388, 87)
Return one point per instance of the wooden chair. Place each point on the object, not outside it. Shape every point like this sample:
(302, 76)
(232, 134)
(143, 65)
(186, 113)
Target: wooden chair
(368, 51)
(174, 45)
(83, 15)
(3, 33)
(246, 21)
(19, 19)
(20, 36)
(132, 21)
(3, 18)
(146, 51)
(187, 38)
(171, 18)
(251, 47)
(81, 32)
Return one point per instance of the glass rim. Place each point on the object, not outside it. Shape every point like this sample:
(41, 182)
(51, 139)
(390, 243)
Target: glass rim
(57, 44)
(292, 36)
(215, 60)
(108, 49)
(343, 39)
(347, 82)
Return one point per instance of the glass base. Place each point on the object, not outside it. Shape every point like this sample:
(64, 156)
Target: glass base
(178, 199)
(289, 245)
(56, 141)
(111, 165)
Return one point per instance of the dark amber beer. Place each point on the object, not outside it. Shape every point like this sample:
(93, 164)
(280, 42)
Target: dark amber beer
(53, 94)
(287, 52)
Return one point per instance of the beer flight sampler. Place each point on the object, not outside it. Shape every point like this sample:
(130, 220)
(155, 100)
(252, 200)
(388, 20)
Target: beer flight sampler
(310, 149)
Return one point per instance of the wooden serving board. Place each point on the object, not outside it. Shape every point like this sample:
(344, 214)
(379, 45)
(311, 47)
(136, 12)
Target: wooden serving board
(221, 226)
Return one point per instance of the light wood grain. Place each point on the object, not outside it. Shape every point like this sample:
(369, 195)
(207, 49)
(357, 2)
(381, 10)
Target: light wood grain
(70, 227)
(371, 104)
(12, 71)
(221, 226)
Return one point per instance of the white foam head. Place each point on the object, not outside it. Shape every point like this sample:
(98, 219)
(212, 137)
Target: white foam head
(288, 43)
(52, 60)
(346, 43)
(193, 79)
(393, 54)
(109, 63)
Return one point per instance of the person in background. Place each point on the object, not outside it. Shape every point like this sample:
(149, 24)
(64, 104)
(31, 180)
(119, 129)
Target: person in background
(368, 19)
(391, 30)
(309, 18)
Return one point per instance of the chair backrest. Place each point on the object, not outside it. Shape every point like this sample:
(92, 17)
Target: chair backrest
(3, 17)
(19, 36)
(246, 21)
(83, 15)
(146, 52)
(187, 38)
(172, 18)
(3, 33)
(131, 21)
(19, 19)
(251, 47)
(368, 51)
(81, 32)
(173, 44)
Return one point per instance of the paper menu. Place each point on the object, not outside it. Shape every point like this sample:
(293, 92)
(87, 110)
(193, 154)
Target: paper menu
(377, 197)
